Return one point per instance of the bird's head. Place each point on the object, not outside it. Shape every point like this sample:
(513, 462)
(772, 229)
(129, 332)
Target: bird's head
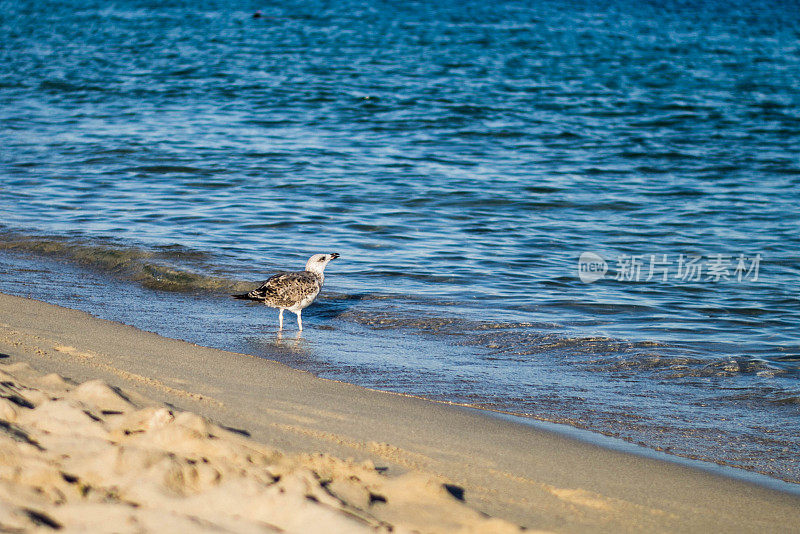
(317, 262)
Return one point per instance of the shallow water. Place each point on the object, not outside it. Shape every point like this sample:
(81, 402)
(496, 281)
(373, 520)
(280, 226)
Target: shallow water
(461, 159)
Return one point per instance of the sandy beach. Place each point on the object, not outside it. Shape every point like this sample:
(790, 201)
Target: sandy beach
(104, 427)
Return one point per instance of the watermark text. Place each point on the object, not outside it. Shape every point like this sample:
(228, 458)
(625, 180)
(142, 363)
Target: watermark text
(712, 268)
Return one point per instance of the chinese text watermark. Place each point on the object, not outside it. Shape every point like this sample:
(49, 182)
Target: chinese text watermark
(665, 267)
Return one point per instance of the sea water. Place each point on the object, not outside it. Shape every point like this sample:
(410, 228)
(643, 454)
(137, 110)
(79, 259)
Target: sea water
(578, 211)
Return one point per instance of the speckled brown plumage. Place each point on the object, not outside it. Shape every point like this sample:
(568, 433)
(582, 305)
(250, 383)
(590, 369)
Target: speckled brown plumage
(285, 290)
(292, 291)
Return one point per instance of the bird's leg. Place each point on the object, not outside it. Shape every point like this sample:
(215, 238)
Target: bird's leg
(299, 321)
(280, 319)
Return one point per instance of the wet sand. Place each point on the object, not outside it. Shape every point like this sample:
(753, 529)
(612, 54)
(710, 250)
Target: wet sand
(109, 428)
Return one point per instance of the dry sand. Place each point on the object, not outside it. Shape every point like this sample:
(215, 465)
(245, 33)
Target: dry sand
(104, 427)
(91, 458)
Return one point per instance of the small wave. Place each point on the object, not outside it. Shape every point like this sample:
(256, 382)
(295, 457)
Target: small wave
(665, 121)
(787, 401)
(167, 169)
(153, 269)
(543, 189)
(388, 320)
(518, 341)
(735, 366)
(63, 86)
(492, 134)
(668, 155)
(502, 339)
(673, 367)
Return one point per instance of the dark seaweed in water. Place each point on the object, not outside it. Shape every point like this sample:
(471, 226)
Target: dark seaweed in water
(461, 157)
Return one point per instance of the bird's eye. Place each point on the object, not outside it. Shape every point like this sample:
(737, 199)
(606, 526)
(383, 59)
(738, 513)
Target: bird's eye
(321, 259)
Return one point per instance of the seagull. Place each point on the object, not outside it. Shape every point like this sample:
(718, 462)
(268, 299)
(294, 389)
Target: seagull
(292, 291)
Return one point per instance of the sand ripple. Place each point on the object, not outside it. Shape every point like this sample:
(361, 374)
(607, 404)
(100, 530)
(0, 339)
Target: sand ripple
(90, 457)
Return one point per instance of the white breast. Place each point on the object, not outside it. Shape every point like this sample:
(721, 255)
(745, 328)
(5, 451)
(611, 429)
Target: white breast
(304, 303)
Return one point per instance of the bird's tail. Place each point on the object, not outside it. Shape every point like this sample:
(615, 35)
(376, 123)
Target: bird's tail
(243, 296)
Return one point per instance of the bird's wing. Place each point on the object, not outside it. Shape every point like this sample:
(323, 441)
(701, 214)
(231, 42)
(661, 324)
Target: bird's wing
(286, 289)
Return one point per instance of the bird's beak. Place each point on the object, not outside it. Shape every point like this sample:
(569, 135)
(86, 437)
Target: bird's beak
(334, 256)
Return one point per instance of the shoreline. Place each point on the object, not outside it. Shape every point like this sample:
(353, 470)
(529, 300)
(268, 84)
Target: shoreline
(628, 447)
(509, 470)
(412, 360)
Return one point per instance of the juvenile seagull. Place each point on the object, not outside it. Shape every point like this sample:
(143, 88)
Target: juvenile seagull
(292, 291)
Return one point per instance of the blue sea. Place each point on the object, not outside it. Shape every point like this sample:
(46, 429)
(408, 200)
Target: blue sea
(585, 212)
